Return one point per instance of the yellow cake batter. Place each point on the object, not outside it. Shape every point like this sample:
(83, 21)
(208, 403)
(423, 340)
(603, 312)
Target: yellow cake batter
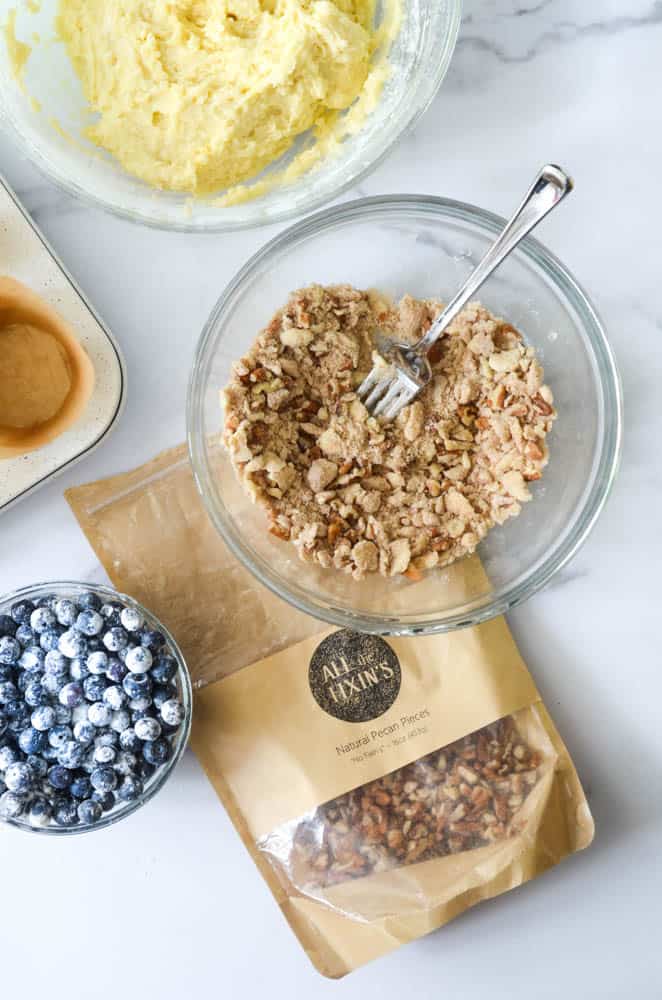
(201, 95)
(18, 52)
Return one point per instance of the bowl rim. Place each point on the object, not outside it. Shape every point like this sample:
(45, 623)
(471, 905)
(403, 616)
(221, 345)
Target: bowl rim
(160, 778)
(610, 445)
(432, 79)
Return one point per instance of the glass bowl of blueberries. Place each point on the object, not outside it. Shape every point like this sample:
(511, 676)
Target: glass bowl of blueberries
(95, 707)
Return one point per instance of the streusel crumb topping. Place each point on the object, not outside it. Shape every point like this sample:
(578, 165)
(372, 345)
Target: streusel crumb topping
(362, 496)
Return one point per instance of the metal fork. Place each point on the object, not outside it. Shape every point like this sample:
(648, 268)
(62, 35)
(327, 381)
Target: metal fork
(404, 369)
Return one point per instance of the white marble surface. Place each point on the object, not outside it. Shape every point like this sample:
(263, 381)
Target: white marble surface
(168, 903)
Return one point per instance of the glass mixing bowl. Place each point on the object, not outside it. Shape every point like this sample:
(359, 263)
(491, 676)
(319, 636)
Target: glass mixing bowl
(419, 59)
(425, 246)
(72, 591)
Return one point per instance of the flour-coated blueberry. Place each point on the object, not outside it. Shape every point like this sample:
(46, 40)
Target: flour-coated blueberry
(71, 755)
(32, 659)
(172, 712)
(89, 812)
(10, 649)
(31, 740)
(84, 731)
(49, 639)
(164, 669)
(131, 619)
(36, 693)
(65, 811)
(115, 696)
(152, 639)
(103, 779)
(66, 612)
(97, 662)
(71, 694)
(43, 718)
(120, 721)
(7, 625)
(21, 611)
(147, 729)
(71, 643)
(115, 638)
(131, 788)
(11, 805)
(94, 687)
(18, 778)
(156, 752)
(81, 787)
(89, 622)
(59, 735)
(40, 811)
(59, 777)
(99, 714)
(42, 618)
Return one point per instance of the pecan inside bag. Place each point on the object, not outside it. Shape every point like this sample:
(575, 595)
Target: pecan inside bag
(465, 796)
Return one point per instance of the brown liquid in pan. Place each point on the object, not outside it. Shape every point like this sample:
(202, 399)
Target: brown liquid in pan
(46, 378)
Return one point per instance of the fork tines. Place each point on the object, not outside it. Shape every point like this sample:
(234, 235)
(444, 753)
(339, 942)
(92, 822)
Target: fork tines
(385, 394)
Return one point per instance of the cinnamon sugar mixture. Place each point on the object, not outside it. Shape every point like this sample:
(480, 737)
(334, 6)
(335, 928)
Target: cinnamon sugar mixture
(362, 496)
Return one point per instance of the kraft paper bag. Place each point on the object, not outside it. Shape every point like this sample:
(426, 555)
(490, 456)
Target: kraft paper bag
(450, 787)
(381, 786)
(151, 532)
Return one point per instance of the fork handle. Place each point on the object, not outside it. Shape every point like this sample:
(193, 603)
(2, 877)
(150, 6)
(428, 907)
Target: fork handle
(550, 186)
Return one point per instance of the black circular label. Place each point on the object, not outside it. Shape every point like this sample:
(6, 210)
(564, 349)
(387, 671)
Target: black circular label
(354, 677)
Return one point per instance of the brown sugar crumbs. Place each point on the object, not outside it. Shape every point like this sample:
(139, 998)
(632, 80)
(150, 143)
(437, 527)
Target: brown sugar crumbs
(362, 496)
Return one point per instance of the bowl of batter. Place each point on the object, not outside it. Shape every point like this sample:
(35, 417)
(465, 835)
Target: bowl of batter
(217, 114)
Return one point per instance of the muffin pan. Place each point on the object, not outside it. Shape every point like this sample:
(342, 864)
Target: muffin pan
(26, 256)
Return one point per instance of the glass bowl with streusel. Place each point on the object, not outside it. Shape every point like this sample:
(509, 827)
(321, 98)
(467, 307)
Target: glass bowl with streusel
(477, 494)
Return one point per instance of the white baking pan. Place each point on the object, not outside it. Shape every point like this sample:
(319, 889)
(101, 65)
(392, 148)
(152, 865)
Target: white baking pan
(26, 256)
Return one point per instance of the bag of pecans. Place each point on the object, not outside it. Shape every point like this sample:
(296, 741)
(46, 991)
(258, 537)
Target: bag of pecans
(465, 796)
(381, 786)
